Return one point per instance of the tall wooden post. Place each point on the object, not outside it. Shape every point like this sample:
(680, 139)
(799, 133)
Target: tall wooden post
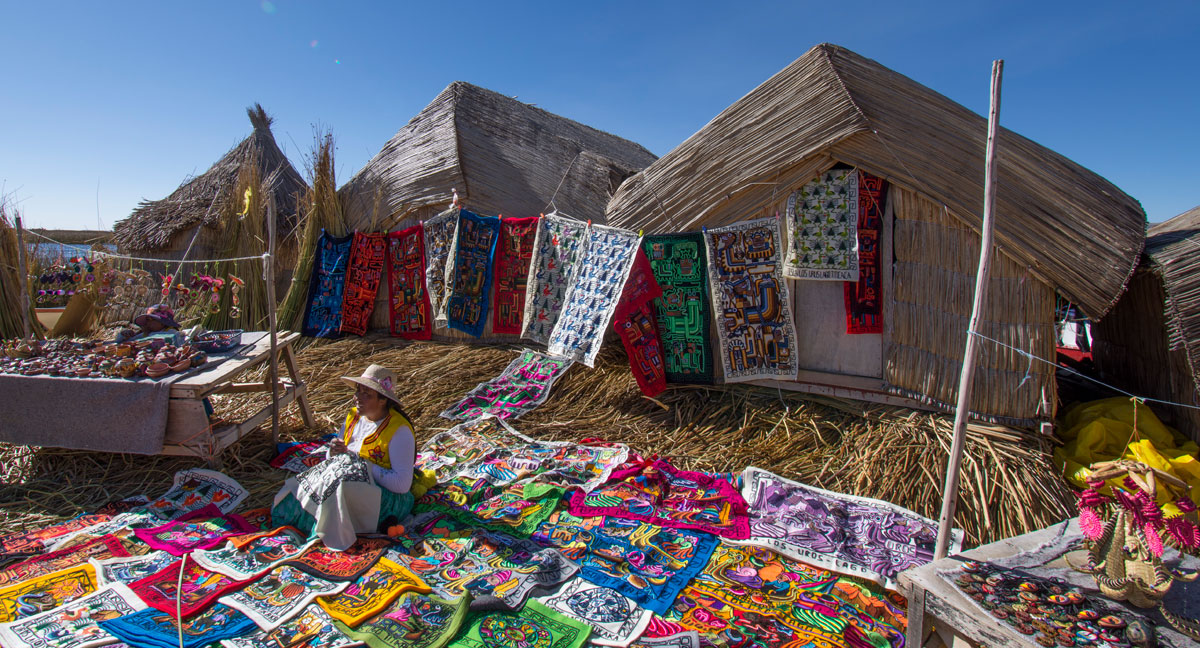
(23, 280)
(967, 378)
(269, 274)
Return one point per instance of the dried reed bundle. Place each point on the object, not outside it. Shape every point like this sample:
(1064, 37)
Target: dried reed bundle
(11, 322)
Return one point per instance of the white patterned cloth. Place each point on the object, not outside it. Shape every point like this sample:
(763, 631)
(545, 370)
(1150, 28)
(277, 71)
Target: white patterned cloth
(73, 625)
(615, 619)
(340, 495)
(822, 225)
(559, 246)
(439, 241)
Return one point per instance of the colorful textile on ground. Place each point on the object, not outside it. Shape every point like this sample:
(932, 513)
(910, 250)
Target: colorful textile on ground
(413, 621)
(311, 628)
(1005, 595)
(247, 557)
(410, 313)
(153, 629)
(495, 569)
(560, 244)
(683, 314)
(822, 223)
(200, 588)
(372, 592)
(364, 271)
(121, 526)
(131, 568)
(685, 639)
(37, 595)
(323, 316)
(535, 626)
(634, 321)
(30, 543)
(347, 565)
(864, 298)
(117, 507)
(103, 547)
(195, 488)
(523, 385)
(259, 518)
(645, 562)
(665, 495)
(73, 625)
(859, 536)
(755, 330)
(469, 281)
(491, 450)
(439, 243)
(513, 253)
(280, 595)
(298, 457)
(593, 296)
(200, 529)
(517, 509)
(615, 619)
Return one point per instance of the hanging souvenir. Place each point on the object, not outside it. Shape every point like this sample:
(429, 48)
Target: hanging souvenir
(235, 287)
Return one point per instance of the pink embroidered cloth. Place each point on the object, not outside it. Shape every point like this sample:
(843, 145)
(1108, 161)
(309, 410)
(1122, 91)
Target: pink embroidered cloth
(659, 493)
(201, 529)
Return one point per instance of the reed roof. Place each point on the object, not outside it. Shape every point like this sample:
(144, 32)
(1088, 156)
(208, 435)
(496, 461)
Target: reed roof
(154, 223)
(1071, 227)
(501, 155)
(1173, 248)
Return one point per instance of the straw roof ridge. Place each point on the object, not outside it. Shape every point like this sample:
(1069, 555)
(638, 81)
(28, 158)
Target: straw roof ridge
(1173, 252)
(1069, 226)
(153, 223)
(502, 155)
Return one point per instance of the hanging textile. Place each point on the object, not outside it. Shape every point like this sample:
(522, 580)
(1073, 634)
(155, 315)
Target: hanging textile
(323, 316)
(560, 245)
(755, 330)
(410, 312)
(363, 273)
(683, 313)
(523, 385)
(469, 275)
(513, 253)
(439, 242)
(592, 297)
(634, 321)
(822, 220)
(75, 624)
(864, 298)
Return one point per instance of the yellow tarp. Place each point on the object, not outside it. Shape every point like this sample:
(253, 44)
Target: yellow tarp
(1103, 430)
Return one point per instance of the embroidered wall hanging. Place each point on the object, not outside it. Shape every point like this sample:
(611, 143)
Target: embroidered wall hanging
(593, 296)
(195, 488)
(280, 595)
(103, 547)
(24, 544)
(131, 568)
(200, 588)
(469, 281)
(410, 311)
(560, 244)
(43, 593)
(755, 330)
(347, 565)
(822, 222)
(864, 298)
(323, 316)
(535, 626)
(74, 625)
(372, 592)
(634, 321)
(615, 619)
(246, 557)
(513, 253)
(523, 385)
(299, 457)
(364, 271)
(200, 529)
(683, 313)
(412, 621)
(439, 242)
(311, 628)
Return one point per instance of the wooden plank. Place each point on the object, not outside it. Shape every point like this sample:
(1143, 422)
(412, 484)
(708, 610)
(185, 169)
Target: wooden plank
(209, 445)
(289, 359)
(841, 391)
(206, 382)
(241, 388)
(914, 635)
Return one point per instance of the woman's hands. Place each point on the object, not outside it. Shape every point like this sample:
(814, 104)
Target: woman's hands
(337, 447)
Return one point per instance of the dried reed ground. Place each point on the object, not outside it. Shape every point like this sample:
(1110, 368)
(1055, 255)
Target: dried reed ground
(1009, 485)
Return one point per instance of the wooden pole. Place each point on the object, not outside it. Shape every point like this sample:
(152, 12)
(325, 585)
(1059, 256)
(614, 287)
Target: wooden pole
(23, 280)
(269, 274)
(967, 378)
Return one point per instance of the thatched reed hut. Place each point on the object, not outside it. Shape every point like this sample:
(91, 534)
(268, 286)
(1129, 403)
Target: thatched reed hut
(501, 155)
(1059, 228)
(163, 229)
(1150, 342)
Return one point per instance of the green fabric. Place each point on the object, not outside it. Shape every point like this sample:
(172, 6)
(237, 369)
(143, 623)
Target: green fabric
(412, 621)
(289, 512)
(532, 504)
(534, 625)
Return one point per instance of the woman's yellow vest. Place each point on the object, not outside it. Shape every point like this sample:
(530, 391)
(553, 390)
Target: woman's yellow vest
(375, 446)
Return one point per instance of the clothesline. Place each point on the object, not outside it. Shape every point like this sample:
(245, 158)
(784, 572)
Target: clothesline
(263, 257)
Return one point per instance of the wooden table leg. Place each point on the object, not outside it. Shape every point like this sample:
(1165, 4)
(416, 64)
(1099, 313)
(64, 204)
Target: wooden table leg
(915, 636)
(289, 359)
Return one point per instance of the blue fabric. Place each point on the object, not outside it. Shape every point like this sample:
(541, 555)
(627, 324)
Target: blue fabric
(151, 628)
(323, 314)
(471, 277)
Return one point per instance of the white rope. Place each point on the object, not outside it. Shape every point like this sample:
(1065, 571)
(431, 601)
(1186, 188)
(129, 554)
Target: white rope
(109, 255)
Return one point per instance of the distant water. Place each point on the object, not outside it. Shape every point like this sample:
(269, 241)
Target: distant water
(52, 252)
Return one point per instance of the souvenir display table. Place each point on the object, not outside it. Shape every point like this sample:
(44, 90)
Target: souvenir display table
(935, 601)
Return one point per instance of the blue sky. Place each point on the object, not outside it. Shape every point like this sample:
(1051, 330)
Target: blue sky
(124, 100)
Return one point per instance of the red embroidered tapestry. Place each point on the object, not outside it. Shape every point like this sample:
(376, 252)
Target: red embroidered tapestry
(363, 273)
(513, 252)
(634, 321)
(410, 313)
(864, 298)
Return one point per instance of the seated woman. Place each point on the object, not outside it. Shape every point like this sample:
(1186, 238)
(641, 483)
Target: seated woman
(157, 321)
(365, 481)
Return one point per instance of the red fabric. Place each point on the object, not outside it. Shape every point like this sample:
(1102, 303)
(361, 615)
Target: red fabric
(200, 588)
(864, 298)
(363, 273)
(634, 321)
(409, 312)
(513, 252)
(108, 546)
